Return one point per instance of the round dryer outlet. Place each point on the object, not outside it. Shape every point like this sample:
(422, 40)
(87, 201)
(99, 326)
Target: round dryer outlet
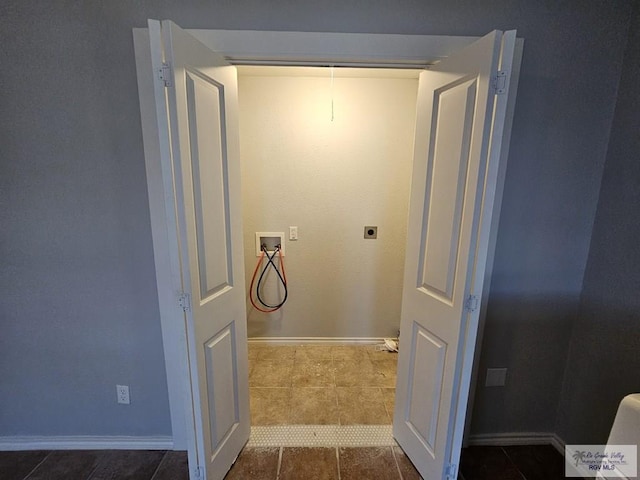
(371, 232)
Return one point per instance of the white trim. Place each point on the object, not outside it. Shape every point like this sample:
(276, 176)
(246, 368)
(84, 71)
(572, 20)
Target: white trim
(321, 72)
(81, 442)
(164, 245)
(316, 340)
(517, 438)
(338, 49)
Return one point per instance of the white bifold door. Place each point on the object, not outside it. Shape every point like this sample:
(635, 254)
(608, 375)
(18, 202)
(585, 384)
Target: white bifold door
(460, 114)
(196, 92)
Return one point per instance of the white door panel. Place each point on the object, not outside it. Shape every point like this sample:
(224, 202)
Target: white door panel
(201, 101)
(455, 114)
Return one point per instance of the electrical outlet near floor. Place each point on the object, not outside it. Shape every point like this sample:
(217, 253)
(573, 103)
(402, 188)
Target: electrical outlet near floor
(123, 394)
(496, 377)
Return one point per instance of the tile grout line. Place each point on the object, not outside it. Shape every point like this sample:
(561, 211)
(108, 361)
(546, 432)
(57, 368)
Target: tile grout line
(93, 471)
(289, 412)
(279, 462)
(335, 392)
(158, 466)
(395, 458)
(99, 461)
(513, 463)
(384, 404)
(39, 463)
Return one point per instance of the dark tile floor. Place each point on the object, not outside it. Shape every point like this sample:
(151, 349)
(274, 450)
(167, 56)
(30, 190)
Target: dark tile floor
(320, 463)
(253, 463)
(522, 462)
(541, 462)
(94, 465)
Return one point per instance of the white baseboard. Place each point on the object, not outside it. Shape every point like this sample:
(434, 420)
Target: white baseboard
(81, 442)
(316, 340)
(517, 438)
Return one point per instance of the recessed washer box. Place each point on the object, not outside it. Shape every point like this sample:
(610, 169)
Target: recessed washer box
(270, 239)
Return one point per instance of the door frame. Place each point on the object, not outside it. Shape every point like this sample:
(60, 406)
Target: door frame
(276, 48)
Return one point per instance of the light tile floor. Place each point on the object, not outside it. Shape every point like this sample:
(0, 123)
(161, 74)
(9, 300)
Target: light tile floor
(321, 385)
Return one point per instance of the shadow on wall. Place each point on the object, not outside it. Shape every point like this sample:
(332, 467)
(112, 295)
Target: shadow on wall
(530, 337)
(571, 375)
(602, 368)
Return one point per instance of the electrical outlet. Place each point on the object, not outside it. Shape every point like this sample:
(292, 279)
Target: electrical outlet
(123, 394)
(293, 233)
(371, 232)
(496, 377)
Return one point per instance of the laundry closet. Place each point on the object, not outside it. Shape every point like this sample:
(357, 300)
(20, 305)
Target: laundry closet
(329, 151)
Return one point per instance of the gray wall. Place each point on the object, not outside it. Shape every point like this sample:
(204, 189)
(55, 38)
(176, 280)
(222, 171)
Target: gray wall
(78, 308)
(557, 153)
(604, 359)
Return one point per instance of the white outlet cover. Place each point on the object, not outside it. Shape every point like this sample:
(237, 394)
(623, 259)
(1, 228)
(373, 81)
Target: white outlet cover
(496, 377)
(122, 392)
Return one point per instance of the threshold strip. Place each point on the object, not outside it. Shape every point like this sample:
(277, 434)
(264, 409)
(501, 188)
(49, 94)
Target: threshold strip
(321, 436)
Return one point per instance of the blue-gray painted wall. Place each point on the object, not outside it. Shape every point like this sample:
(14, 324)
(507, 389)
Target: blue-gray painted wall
(78, 304)
(604, 358)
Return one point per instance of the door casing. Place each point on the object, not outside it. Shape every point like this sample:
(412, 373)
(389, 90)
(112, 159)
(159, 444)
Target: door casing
(266, 48)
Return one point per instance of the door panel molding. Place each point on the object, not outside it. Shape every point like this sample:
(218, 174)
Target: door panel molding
(447, 169)
(205, 105)
(425, 390)
(222, 390)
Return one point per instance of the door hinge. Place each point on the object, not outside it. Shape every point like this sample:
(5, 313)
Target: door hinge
(199, 473)
(165, 74)
(499, 82)
(451, 471)
(184, 302)
(471, 305)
